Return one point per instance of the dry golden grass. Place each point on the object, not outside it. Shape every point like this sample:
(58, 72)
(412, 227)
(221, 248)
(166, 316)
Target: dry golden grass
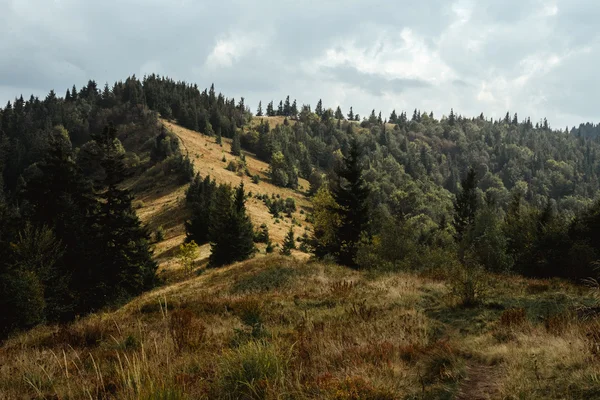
(165, 206)
(275, 327)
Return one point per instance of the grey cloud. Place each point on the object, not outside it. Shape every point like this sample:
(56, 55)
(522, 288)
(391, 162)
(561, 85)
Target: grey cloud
(52, 45)
(373, 83)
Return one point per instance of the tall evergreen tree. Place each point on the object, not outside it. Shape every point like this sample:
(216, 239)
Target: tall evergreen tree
(338, 114)
(219, 139)
(231, 232)
(351, 115)
(126, 261)
(199, 199)
(465, 206)
(270, 111)
(236, 145)
(287, 107)
(259, 111)
(319, 108)
(350, 192)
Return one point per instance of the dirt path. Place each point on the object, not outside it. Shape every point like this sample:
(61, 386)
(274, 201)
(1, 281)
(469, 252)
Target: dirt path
(480, 383)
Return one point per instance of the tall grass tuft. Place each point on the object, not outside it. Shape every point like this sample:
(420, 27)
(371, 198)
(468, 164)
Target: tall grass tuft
(255, 370)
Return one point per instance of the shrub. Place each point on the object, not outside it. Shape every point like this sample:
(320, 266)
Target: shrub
(468, 283)
(441, 364)
(187, 254)
(262, 234)
(254, 370)
(159, 235)
(256, 179)
(186, 332)
(513, 317)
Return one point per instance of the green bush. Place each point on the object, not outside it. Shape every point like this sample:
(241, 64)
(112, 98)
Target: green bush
(159, 235)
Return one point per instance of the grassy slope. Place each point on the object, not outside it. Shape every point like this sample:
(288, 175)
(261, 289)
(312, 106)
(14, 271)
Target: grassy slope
(308, 330)
(165, 206)
(295, 329)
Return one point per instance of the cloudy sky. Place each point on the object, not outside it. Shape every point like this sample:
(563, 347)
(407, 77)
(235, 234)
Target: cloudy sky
(535, 57)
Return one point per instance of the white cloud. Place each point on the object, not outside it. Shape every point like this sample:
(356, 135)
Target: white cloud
(403, 55)
(235, 46)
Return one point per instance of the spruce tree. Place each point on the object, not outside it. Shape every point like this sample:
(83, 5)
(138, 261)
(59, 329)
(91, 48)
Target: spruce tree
(236, 146)
(219, 139)
(126, 261)
(351, 193)
(270, 111)
(294, 110)
(351, 115)
(465, 206)
(259, 111)
(231, 231)
(287, 107)
(319, 108)
(199, 199)
(393, 117)
(280, 109)
(338, 114)
(288, 243)
(58, 196)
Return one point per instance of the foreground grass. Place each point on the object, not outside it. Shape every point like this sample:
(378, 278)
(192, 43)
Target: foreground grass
(275, 327)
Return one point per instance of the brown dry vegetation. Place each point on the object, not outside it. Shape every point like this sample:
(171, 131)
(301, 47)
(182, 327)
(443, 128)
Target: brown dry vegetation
(275, 327)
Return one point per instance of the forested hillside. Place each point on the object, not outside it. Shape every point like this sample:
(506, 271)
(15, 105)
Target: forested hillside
(70, 239)
(387, 193)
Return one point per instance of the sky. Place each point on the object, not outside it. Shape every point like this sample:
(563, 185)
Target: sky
(536, 58)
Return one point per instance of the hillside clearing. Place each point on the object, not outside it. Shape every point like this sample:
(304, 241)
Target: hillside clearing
(165, 206)
(302, 330)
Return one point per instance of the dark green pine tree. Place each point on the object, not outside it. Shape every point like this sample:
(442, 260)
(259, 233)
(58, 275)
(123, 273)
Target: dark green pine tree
(270, 110)
(74, 93)
(199, 199)
(373, 117)
(452, 117)
(319, 108)
(393, 117)
(288, 243)
(57, 196)
(259, 110)
(294, 110)
(219, 139)
(236, 145)
(338, 114)
(124, 262)
(280, 108)
(351, 115)
(231, 231)
(351, 194)
(466, 205)
(287, 107)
